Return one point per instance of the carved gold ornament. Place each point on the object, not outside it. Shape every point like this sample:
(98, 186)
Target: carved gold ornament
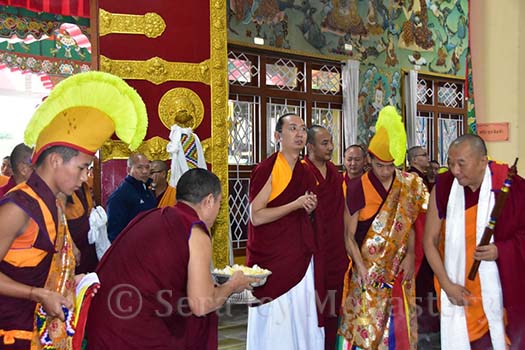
(157, 70)
(114, 149)
(181, 106)
(151, 24)
(154, 149)
(206, 149)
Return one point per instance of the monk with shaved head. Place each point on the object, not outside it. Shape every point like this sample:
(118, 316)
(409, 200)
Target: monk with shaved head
(487, 312)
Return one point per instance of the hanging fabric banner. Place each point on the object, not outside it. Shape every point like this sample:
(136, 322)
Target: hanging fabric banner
(469, 88)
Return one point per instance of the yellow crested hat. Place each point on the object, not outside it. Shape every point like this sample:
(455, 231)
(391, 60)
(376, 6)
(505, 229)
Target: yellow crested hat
(83, 111)
(389, 142)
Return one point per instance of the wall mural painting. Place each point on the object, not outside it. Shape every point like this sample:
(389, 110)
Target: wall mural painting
(391, 33)
(377, 89)
(386, 36)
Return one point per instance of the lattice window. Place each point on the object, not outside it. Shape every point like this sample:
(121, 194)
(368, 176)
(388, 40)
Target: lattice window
(285, 75)
(425, 92)
(425, 130)
(274, 109)
(450, 127)
(450, 95)
(441, 114)
(327, 80)
(239, 211)
(241, 120)
(243, 69)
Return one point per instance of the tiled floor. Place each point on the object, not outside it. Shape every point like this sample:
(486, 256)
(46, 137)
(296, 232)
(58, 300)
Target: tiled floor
(232, 330)
(232, 327)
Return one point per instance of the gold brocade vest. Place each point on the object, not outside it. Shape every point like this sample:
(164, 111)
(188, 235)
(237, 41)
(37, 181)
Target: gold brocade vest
(61, 280)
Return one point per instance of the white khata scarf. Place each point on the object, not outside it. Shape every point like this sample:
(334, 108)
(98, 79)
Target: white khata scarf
(184, 155)
(454, 333)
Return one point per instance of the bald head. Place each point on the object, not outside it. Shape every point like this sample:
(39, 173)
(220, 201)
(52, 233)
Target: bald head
(21, 162)
(319, 144)
(159, 174)
(467, 160)
(312, 131)
(158, 165)
(5, 168)
(354, 160)
(281, 120)
(474, 141)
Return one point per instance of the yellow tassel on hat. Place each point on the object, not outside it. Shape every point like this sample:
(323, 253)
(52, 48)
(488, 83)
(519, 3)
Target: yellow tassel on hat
(389, 142)
(84, 110)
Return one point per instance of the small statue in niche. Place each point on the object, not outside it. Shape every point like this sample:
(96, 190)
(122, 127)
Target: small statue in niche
(183, 112)
(181, 106)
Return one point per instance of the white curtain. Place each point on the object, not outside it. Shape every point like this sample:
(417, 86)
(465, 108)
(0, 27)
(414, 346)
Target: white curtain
(350, 93)
(410, 93)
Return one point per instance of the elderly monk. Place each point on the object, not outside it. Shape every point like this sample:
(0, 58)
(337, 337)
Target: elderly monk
(472, 312)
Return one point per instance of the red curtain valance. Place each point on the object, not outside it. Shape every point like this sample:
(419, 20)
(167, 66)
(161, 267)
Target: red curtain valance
(79, 8)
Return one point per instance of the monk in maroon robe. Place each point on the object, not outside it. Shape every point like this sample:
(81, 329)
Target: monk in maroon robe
(281, 238)
(20, 165)
(468, 163)
(428, 317)
(27, 264)
(37, 280)
(156, 289)
(330, 219)
(78, 209)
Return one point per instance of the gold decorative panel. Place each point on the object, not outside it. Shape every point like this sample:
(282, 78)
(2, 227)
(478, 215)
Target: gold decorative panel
(157, 70)
(114, 149)
(181, 106)
(151, 24)
(154, 148)
(206, 148)
(219, 131)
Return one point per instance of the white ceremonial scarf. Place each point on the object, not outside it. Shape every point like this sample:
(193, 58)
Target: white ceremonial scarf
(454, 333)
(98, 231)
(178, 160)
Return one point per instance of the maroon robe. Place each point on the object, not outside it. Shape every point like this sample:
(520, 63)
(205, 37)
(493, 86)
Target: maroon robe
(426, 298)
(330, 227)
(284, 246)
(145, 272)
(15, 313)
(509, 237)
(79, 229)
(355, 199)
(9, 185)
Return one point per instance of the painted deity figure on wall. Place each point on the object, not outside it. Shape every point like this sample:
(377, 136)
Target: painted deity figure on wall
(344, 19)
(415, 34)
